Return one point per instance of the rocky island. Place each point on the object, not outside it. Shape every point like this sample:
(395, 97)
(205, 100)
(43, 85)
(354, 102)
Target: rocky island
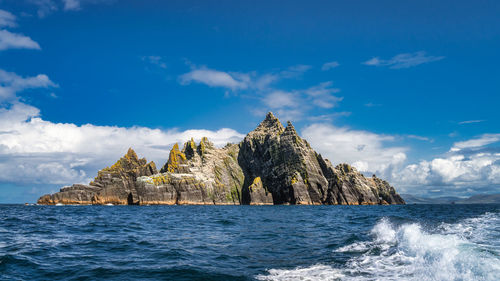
(272, 165)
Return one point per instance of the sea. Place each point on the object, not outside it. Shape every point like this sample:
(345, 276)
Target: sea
(407, 242)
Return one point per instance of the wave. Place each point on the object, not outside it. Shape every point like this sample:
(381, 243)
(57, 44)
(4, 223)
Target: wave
(467, 250)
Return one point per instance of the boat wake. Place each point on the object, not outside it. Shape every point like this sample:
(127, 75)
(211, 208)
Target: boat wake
(467, 250)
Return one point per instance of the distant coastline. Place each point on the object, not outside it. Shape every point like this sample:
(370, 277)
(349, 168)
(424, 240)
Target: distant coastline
(475, 199)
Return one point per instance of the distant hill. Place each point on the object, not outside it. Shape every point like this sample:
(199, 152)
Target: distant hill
(481, 199)
(476, 199)
(412, 199)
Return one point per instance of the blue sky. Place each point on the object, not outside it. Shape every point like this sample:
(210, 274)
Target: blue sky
(405, 89)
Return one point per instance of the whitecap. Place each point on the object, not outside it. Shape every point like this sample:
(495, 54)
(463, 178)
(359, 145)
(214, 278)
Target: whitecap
(467, 250)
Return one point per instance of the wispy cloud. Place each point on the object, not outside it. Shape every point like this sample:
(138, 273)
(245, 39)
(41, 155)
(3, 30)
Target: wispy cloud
(329, 65)
(155, 60)
(238, 80)
(7, 19)
(405, 60)
(281, 99)
(421, 138)
(371, 104)
(45, 7)
(9, 40)
(322, 95)
(11, 84)
(481, 141)
(215, 78)
(71, 5)
(470, 122)
(290, 104)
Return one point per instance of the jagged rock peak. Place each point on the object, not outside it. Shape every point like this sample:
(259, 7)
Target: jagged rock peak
(177, 161)
(270, 124)
(131, 154)
(272, 165)
(346, 168)
(189, 148)
(290, 129)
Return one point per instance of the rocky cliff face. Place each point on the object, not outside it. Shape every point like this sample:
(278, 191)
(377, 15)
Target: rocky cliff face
(272, 165)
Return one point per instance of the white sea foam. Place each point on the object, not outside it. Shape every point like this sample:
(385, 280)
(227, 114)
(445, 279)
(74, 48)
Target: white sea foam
(315, 272)
(468, 250)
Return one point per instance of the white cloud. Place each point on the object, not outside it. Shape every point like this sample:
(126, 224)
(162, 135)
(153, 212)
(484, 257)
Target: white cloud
(33, 150)
(214, 78)
(7, 19)
(365, 150)
(11, 84)
(329, 65)
(280, 99)
(71, 5)
(9, 40)
(421, 138)
(469, 165)
(405, 60)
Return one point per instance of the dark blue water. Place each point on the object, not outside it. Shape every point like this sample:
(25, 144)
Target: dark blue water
(424, 242)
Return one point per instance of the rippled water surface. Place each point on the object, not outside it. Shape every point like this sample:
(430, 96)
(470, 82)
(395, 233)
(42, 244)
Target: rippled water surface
(414, 242)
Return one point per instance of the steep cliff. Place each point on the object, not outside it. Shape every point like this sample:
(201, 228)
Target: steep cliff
(272, 165)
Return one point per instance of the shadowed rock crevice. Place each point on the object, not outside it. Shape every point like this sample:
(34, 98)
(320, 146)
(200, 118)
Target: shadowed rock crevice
(271, 165)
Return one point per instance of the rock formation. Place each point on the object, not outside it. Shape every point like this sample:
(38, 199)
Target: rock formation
(272, 165)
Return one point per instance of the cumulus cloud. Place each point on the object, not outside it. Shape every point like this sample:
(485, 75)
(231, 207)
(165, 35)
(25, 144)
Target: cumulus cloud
(367, 151)
(7, 19)
(469, 165)
(405, 60)
(329, 65)
(33, 150)
(9, 40)
(11, 84)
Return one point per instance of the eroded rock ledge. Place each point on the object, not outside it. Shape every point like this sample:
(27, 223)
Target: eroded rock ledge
(272, 165)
